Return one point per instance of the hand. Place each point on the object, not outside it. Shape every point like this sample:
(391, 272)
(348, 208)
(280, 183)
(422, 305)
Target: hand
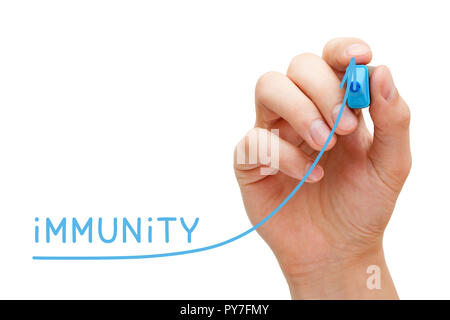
(327, 235)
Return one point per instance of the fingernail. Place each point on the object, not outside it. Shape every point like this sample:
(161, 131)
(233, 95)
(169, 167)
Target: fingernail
(388, 90)
(316, 174)
(319, 132)
(357, 49)
(347, 121)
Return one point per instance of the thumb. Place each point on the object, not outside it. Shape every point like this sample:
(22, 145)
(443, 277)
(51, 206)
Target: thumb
(390, 151)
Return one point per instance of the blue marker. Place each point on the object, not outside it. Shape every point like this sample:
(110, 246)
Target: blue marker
(359, 93)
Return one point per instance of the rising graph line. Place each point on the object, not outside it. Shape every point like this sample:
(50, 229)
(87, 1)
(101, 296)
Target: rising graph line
(350, 73)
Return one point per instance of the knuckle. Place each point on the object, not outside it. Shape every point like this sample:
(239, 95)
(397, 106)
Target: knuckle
(265, 82)
(400, 172)
(404, 117)
(330, 44)
(246, 150)
(408, 166)
(257, 131)
(395, 177)
(403, 169)
(298, 61)
(399, 118)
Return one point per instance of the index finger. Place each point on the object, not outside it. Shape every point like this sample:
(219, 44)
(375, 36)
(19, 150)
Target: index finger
(338, 52)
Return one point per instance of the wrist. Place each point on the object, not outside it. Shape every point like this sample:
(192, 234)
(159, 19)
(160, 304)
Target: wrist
(363, 277)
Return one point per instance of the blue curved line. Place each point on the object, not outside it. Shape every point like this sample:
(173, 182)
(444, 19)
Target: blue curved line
(256, 226)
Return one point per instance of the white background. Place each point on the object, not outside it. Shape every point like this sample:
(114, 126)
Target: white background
(133, 108)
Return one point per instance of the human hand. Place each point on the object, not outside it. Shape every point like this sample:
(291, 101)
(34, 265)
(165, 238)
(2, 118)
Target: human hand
(327, 235)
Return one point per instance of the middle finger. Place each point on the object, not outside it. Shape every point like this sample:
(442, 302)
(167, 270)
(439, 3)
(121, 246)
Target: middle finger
(319, 82)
